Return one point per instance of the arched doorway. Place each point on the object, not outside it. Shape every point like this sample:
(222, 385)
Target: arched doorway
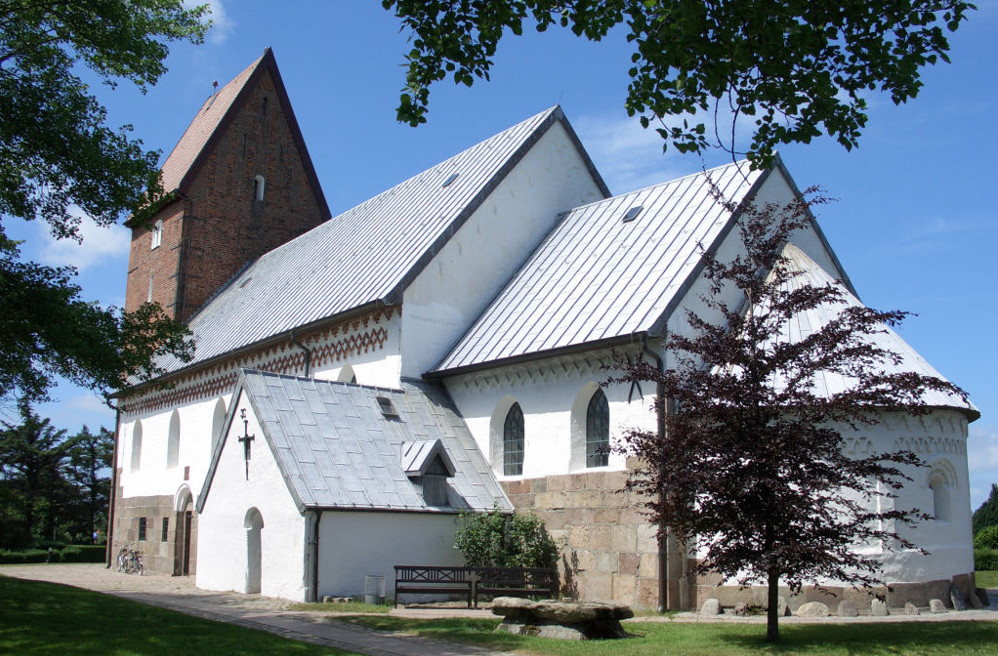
(183, 544)
(254, 550)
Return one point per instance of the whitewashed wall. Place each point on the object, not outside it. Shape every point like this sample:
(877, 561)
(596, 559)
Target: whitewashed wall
(554, 395)
(154, 476)
(353, 545)
(222, 535)
(467, 273)
(940, 440)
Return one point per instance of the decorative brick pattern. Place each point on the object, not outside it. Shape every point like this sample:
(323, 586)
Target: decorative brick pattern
(335, 343)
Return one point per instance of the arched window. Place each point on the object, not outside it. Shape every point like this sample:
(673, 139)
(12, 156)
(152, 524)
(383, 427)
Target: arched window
(136, 460)
(173, 441)
(598, 431)
(157, 234)
(217, 422)
(512, 442)
(258, 187)
(347, 375)
(942, 479)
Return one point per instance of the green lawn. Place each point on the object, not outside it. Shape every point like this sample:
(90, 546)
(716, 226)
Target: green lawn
(987, 579)
(658, 639)
(43, 618)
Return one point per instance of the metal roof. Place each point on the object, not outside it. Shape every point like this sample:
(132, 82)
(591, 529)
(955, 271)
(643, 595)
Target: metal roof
(607, 270)
(366, 255)
(809, 273)
(337, 450)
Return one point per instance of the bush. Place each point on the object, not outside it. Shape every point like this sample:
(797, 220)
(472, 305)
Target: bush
(495, 539)
(986, 538)
(985, 559)
(83, 553)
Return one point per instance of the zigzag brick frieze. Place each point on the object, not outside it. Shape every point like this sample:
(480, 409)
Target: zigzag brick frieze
(365, 334)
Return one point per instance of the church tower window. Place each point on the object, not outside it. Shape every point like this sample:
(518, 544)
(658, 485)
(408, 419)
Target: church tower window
(258, 186)
(598, 431)
(157, 235)
(512, 442)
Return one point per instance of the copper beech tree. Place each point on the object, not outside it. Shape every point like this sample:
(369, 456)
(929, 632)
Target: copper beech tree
(750, 470)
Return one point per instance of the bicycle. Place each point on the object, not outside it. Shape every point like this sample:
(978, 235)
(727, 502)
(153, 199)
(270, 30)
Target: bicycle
(130, 560)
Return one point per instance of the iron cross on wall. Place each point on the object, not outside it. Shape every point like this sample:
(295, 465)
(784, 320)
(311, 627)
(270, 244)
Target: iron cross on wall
(246, 439)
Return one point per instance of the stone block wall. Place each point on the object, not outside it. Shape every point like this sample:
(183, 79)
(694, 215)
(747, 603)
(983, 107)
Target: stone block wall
(158, 554)
(608, 548)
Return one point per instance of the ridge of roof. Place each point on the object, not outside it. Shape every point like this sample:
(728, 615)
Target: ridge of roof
(365, 255)
(596, 279)
(214, 116)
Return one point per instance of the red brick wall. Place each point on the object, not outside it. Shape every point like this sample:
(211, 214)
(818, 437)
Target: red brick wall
(218, 226)
(161, 261)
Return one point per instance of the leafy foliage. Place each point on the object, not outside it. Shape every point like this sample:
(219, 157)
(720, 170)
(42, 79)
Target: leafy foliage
(58, 158)
(47, 330)
(51, 485)
(987, 514)
(794, 68)
(986, 538)
(496, 539)
(751, 470)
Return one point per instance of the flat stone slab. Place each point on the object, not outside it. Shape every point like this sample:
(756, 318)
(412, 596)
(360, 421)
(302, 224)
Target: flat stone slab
(937, 606)
(565, 620)
(710, 608)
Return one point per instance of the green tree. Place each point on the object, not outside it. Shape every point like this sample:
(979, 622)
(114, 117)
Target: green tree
(87, 473)
(57, 154)
(794, 68)
(32, 455)
(987, 514)
(750, 469)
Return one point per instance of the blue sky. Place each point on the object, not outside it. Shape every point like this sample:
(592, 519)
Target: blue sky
(915, 225)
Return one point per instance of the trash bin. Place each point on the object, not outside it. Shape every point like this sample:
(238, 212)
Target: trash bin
(374, 590)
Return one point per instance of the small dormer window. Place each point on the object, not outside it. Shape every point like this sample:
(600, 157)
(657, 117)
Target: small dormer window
(157, 234)
(258, 186)
(387, 409)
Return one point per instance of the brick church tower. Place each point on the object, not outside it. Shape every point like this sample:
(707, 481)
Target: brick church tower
(239, 182)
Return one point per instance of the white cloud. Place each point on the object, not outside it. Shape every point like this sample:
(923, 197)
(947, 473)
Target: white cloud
(98, 247)
(982, 456)
(629, 156)
(221, 24)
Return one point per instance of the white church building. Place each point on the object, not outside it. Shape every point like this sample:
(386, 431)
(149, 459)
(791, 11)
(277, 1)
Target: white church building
(360, 380)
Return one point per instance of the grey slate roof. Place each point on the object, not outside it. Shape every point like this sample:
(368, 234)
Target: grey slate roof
(337, 450)
(364, 256)
(809, 273)
(596, 277)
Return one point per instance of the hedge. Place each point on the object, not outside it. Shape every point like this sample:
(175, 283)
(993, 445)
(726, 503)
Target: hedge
(83, 553)
(985, 559)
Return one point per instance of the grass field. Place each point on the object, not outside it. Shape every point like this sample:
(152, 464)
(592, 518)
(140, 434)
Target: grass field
(46, 619)
(987, 579)
(712, 639)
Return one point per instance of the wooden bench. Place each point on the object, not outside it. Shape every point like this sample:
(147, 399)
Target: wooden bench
(472, 582)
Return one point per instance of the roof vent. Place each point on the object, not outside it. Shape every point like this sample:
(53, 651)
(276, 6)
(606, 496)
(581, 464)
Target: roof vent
(633, 213)
(387, 409)
(450, 179)
(245, 282)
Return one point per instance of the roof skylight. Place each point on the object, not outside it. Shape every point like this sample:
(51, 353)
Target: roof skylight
(387, 409)
(632, 213)
(450, 179)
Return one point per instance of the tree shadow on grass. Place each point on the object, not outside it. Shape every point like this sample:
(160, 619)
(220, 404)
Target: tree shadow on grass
(921, 638)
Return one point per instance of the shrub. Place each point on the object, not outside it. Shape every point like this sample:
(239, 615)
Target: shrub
(985, 559)
(496, 539)
(986, 538)
(83, 553)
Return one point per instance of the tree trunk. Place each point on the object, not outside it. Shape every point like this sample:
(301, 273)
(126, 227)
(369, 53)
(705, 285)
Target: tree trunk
(773, 611)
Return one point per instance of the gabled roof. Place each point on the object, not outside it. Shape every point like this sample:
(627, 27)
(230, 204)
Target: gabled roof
(216, 113)
(336, 450)
(826, 384)
(368, 254)
(599, 277)
(419, 457)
